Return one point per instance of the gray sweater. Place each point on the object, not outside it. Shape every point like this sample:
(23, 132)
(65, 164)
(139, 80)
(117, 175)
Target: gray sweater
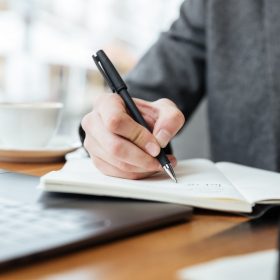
(228, 51)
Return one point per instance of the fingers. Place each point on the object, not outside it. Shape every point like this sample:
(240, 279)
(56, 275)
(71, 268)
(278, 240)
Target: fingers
(169, 121)
(97, 151)
(117, 121)
(119, 146)
(112, 170)
(114, 146)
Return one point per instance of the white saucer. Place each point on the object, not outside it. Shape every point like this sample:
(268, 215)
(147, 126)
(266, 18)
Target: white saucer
(54, 152)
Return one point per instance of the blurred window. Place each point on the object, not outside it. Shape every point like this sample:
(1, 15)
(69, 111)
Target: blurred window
(46, 45)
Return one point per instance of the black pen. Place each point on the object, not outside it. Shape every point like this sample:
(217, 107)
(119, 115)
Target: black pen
(116, 83)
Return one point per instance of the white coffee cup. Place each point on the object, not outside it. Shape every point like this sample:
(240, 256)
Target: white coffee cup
(28, 125)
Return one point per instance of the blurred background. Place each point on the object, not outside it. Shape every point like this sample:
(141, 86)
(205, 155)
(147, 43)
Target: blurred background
(46, 48)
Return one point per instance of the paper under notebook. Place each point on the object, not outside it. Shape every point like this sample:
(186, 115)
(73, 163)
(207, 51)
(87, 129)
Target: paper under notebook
(256, 266)
(201, 183)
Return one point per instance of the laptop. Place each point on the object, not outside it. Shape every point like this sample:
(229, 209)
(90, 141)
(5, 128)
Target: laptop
(36, 225)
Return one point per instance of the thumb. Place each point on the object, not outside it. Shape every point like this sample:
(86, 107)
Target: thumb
(170, 120)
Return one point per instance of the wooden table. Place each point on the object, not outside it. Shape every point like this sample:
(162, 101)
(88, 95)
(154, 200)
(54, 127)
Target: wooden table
(157, 254)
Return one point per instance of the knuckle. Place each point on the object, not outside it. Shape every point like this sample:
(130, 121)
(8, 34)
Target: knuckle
(116, 148)
(88, 120)
(114, 122)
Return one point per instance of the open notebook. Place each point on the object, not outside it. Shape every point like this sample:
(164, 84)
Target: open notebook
(201, 183)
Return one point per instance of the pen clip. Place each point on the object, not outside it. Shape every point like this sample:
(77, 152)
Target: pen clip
(103, 72)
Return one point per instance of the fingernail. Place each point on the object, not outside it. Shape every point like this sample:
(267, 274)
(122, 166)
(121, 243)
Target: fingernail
(163, 137)
(152, 149)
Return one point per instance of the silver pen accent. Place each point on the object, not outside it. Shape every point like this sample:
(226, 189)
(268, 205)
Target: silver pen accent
(169, 170)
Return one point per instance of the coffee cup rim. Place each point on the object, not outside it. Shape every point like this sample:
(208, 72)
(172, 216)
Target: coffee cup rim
(23, 105)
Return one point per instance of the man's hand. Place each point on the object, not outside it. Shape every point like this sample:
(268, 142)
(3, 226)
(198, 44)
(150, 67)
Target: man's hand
(121, 147)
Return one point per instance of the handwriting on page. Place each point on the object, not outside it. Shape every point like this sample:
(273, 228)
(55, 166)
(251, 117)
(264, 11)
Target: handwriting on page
(210, 187)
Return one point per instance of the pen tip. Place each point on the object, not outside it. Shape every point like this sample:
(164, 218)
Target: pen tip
(169, 170)
(173, 177)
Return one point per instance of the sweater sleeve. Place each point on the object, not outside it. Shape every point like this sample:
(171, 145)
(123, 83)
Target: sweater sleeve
(174, 67)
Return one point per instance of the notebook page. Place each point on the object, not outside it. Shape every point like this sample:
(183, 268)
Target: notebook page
(196, 178)
(254, 184)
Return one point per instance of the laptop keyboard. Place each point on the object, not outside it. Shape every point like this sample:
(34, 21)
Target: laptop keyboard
(21, 222)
